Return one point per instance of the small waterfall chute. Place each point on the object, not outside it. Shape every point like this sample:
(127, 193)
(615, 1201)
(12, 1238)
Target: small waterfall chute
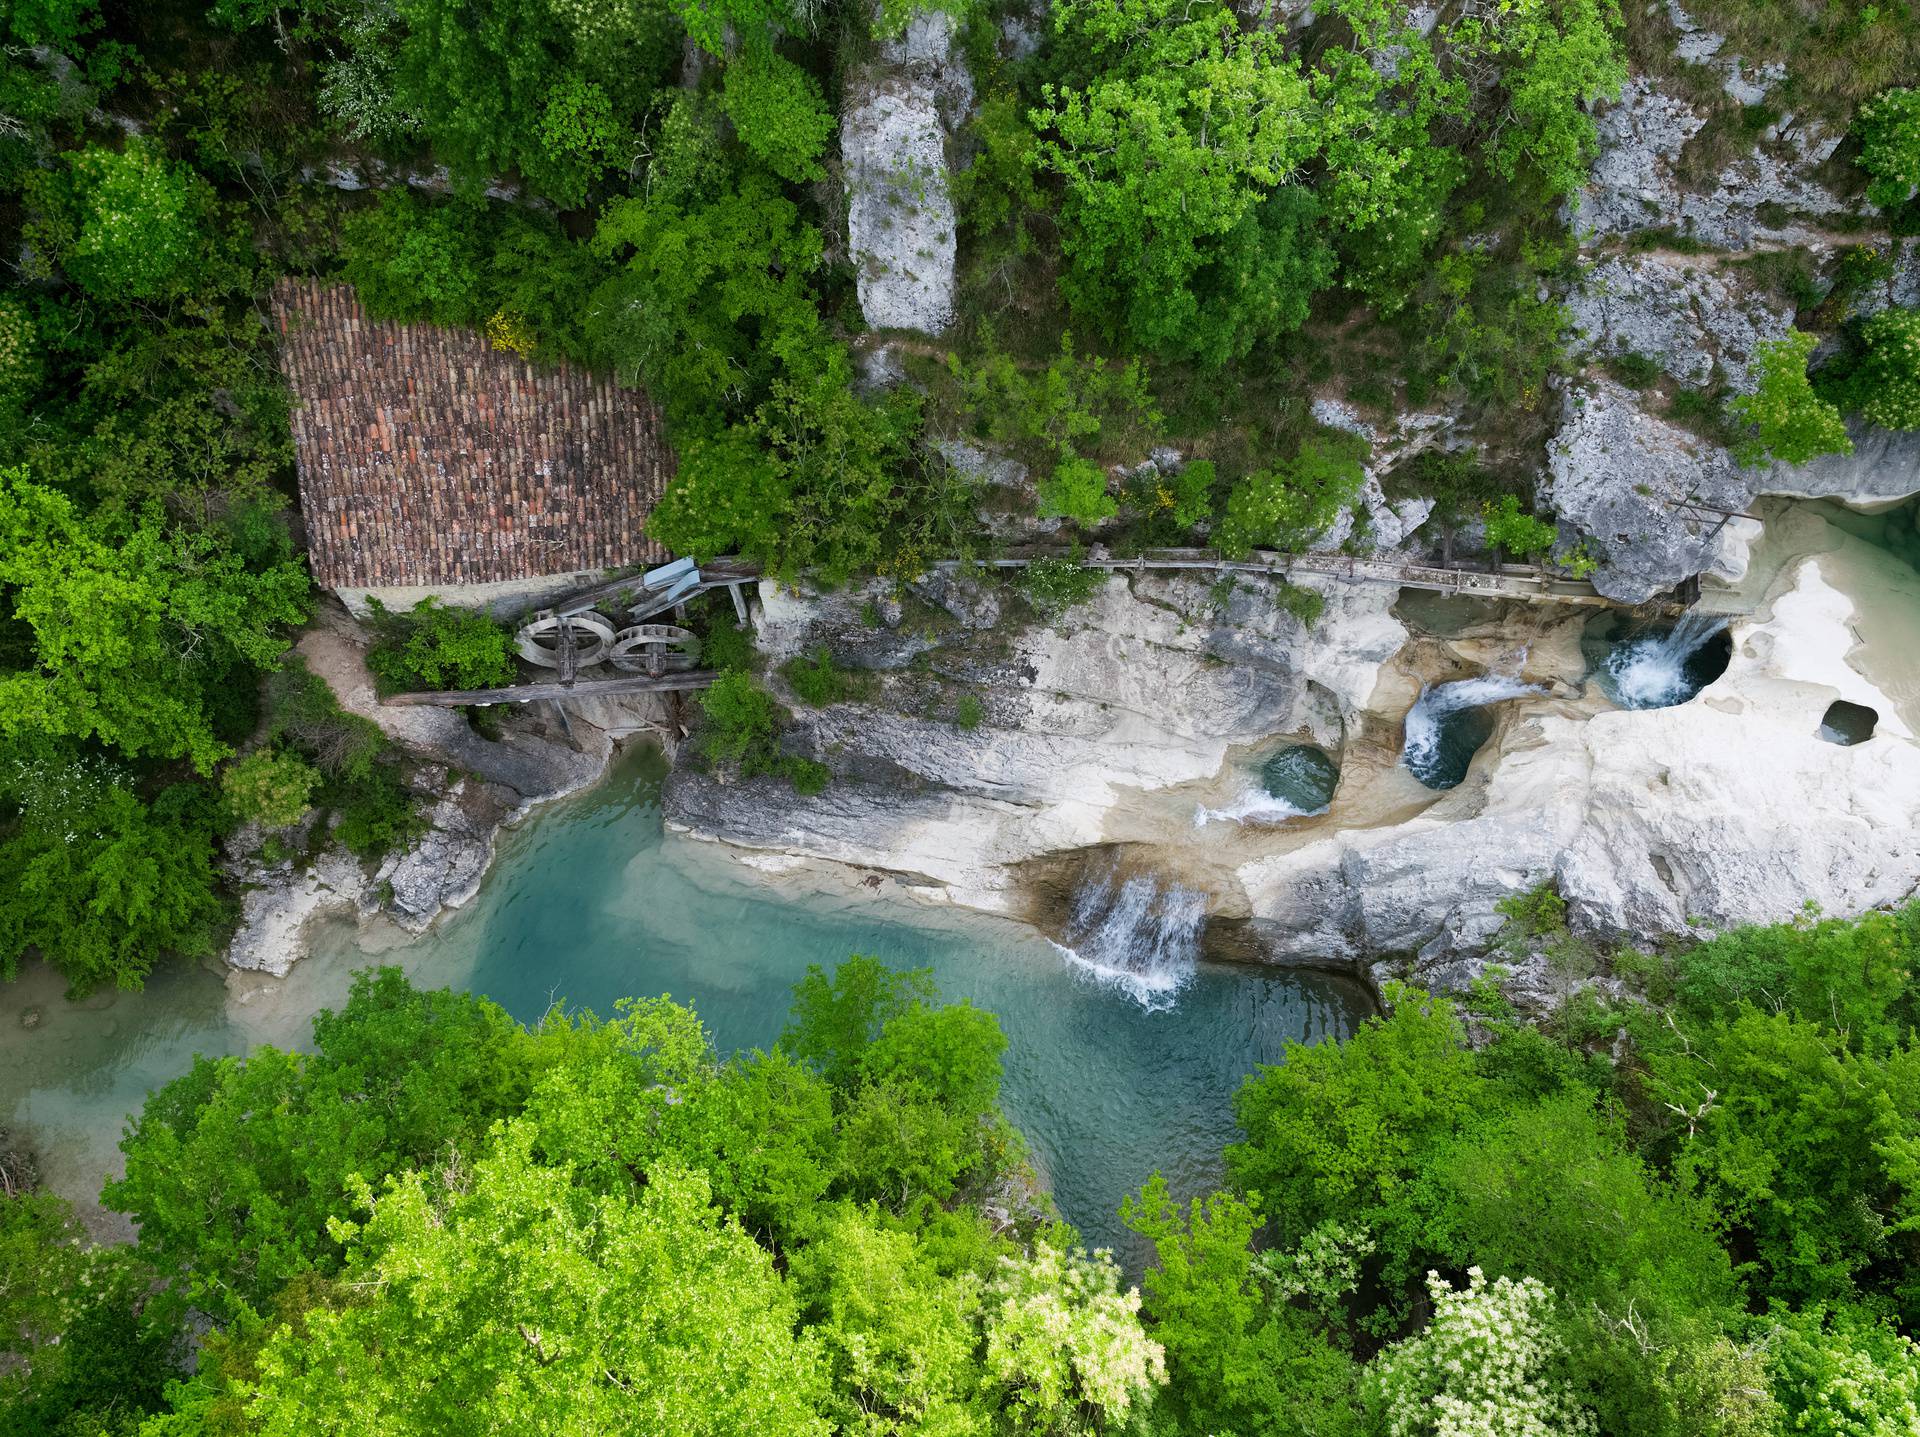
(1139, 934)
(1657, 671)
(1446, 727)
(1296, 781)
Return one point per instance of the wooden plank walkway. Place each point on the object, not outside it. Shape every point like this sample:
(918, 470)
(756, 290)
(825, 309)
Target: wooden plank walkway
(579, 689)
(1526, 583)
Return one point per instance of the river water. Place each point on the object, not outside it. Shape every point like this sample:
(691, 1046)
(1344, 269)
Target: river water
(590, 901)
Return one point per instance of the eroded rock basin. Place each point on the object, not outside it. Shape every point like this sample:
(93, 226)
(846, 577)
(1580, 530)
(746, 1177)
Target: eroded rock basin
(1111, 729)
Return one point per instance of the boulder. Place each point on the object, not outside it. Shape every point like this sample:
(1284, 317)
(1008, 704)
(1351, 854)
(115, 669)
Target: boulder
(1626, 480)
(1884, 468)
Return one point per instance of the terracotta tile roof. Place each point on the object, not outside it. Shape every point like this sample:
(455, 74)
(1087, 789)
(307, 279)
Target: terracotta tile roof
(428, 457)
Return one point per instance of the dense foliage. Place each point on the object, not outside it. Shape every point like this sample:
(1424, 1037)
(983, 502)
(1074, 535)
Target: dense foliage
(439, 1221)
(1681, 1204)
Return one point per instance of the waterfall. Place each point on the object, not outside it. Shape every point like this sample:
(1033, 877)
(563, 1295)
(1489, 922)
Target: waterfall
(1651, 672)
(1426, 752)
(1254, 805)
(1140, 935)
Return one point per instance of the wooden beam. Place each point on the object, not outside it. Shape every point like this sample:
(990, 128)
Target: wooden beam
(585, 689)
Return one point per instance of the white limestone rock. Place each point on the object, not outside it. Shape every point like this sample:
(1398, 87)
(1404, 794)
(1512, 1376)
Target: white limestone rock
(278, 906)
(1726, 810)
(899, 210)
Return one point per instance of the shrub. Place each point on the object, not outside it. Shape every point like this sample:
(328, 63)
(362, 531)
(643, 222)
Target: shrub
(374, 811)
(301, 708)
(742, 720)
(270, 788)
(437, 647)
(1291, 504)
(968, 713)
(1055, 585)
(1303, 603)
(1635, 370)
(1536, 913)
(1077, 490)
(727, 646)
(412, 260)
(1517, 533)
(819, 681)
(1793, 423)
(1889, 129)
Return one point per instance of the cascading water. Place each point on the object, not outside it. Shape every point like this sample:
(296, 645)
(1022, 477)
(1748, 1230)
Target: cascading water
(1296, 781)
(1445, 727)
(1657, 671)
(1140, 935)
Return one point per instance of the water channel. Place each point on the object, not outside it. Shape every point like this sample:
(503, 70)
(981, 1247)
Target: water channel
(590, 901)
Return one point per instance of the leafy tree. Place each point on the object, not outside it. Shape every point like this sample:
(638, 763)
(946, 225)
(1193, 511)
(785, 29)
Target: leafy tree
(742, 722)
(1840, 1372)
(1516, 533)
(133, 622)
(1794, 424)
(711, 298)
(1885, 384)
(503, 85)
(1165, 152)
(1289, 505)
(899, 1335)
(410, 259)
(88, 1343)
(515, 1301)
(779, 114)
(726, 497)
(1889, 129)
(1062, 1338)
(234, 1171)
(836, 1019)
(438, 647)
(1237, 1360)
(1792, 1144)
(101, 884)
(271, 788)
(128, 224)
(1556, 57)
(1344, 1131)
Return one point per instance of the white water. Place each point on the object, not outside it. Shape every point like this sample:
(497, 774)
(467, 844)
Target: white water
(1254, 805)
(1422, 750)
(1651, 672)
(1139, 935)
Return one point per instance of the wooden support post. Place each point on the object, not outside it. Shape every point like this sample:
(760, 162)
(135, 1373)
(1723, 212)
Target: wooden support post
(739, 604)
(569, 655)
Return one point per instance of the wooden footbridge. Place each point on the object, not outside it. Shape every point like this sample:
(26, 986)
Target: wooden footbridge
(655, 658)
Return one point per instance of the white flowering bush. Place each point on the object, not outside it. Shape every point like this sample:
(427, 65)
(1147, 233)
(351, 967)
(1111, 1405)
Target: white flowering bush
(1321, 1271)
(139, 230)
(1481, 1368)
(1062, 1336)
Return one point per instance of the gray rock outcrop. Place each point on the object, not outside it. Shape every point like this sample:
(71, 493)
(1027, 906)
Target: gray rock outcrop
(1627, 480)
(899, 114)
(1678, 310)
(1635, 183)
